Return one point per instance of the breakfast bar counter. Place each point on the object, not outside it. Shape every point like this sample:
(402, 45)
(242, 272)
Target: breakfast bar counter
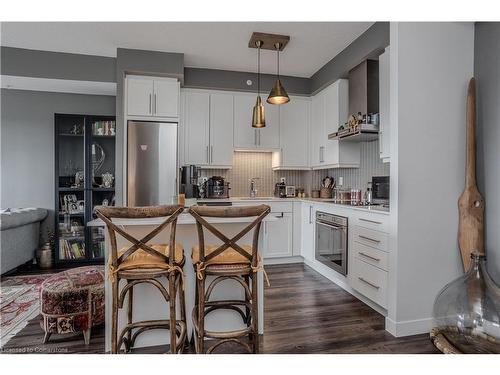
(149, 303)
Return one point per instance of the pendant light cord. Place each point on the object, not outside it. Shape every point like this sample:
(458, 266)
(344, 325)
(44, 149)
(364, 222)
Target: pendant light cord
(278, 52)
(258, 70)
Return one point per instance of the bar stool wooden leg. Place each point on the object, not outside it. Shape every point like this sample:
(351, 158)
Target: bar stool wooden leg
(201, 315)
(247, 299)
(129, 312)
(114, 317)
(173, 328)
(255, 315)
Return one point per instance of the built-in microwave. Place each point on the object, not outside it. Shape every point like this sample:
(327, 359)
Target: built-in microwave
(380, 190)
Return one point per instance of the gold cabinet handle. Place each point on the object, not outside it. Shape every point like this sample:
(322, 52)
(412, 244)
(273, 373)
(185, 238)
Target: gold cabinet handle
(369, 283)
(369, 256)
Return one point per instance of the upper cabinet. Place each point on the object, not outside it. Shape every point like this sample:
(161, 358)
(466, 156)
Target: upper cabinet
(329, 109)
(294, 133)
(384, 107)
(152, 96)
(207, 122)
(248, 138)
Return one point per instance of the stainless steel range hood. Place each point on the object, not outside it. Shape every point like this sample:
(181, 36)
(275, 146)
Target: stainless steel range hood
(364, 99)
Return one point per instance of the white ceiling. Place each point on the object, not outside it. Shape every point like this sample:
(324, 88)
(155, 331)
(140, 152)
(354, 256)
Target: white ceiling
(214, 45)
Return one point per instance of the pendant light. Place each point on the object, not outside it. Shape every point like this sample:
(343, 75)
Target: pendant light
(258, 118)
(278, 93)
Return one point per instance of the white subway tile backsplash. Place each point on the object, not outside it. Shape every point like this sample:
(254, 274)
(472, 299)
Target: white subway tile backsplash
(247, 165)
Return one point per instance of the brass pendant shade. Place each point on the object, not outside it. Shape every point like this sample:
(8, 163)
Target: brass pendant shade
(278, 94)
(258, 117)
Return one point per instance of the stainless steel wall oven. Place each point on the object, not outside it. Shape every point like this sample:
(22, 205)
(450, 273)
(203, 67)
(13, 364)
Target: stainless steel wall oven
(331, 241)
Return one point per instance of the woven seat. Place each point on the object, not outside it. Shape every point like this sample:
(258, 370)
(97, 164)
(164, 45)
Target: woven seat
(140, 259)
(228, 256)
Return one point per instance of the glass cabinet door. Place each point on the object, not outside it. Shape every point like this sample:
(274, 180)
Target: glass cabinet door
(102, 172)
(70, 147)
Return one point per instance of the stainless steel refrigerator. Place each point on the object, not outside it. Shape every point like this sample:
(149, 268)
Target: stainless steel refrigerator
(151, 163)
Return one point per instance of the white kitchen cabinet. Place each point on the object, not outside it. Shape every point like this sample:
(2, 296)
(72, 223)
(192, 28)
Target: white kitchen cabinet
(139, 96)
(221, 130)
(196, 118)
(294, 135)
(152, 97)
(248, 138)
(307, 240)
(278, 235)
(384, 106)
(330, 109)
(207, 120)
(166, 97)
(245, 137)
(269, 137)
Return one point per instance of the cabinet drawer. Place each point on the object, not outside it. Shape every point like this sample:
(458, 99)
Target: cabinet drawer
(281, 206)
(373, 221)
(370, 281)
(370, 255)
(372, 238)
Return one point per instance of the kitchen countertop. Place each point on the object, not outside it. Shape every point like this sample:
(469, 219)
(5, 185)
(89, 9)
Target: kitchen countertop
(375, 209)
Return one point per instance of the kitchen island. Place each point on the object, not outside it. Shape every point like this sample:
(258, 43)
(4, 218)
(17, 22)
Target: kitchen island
(148, 302)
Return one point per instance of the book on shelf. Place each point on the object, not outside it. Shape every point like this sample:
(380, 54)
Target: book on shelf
(71, 248)
(104, 128)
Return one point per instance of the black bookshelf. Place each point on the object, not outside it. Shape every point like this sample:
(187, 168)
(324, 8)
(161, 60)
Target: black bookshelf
(80, 141)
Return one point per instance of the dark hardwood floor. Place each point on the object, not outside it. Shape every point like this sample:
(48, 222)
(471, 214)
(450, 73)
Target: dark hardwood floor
(305, 313)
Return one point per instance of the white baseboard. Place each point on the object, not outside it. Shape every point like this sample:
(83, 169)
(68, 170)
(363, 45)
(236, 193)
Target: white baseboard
(284, 260)
(408, 327)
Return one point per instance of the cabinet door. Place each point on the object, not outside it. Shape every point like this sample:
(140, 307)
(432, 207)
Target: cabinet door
(221, 129)
(166, 98)
(196, 128)
(294, 132)
(336, 109)
(279, 235)
(384, 129)
(269, 137)
(139, 97)
(307, 240)
(317, 130)
(245, 137)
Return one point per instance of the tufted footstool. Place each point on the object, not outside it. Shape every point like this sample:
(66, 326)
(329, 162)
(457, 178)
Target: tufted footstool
(73, 301)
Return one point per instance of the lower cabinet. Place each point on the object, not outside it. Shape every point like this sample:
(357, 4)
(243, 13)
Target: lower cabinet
(307, 238)
(370, 281)
(278, 235)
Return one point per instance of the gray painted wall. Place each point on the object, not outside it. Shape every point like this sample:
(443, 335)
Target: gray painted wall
(431, 64)
(138, 62)
(236, 81)
(57, 65)
(487, 73)
(27, 142)
(370, 44)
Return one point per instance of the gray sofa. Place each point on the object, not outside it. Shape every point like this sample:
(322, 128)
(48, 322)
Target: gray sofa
(19, 236)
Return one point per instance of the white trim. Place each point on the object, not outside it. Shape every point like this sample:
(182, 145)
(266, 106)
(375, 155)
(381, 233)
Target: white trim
(408, 327)
(58, 85)
(283, 260)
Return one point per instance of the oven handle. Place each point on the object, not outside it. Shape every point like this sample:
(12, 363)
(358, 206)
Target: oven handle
(336, 227)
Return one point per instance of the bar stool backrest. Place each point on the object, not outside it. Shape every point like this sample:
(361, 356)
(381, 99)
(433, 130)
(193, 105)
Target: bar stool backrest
(201, 212)
(170, 212)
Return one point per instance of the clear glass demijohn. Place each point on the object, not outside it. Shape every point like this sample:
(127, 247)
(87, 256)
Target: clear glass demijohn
(467, 310)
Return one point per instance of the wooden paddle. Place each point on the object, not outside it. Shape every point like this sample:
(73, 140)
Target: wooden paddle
(471, 203)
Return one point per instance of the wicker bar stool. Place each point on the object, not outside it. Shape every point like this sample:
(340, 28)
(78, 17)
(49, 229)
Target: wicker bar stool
(227, 261)
(143, 263)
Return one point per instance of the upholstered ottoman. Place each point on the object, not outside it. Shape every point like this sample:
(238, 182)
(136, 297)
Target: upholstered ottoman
(73, 301)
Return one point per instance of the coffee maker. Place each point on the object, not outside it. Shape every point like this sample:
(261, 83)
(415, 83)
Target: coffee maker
(216, 187)
(189, 181)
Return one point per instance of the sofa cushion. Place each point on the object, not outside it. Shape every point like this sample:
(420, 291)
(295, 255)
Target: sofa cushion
(17, 217)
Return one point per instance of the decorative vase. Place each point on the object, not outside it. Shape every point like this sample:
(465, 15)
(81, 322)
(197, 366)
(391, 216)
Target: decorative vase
(467, 312)
(44, 256)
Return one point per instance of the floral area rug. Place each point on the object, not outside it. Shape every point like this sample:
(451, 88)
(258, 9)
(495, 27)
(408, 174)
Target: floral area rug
(19, 302)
